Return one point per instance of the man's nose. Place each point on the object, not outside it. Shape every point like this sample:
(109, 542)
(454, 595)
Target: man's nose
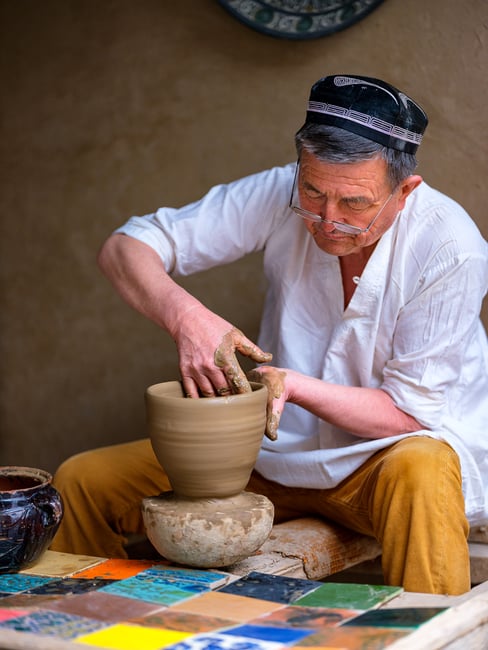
(329, 212)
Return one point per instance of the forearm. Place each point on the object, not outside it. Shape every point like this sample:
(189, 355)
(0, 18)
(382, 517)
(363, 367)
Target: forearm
(205, 342)
(139, 276)
(366, 412)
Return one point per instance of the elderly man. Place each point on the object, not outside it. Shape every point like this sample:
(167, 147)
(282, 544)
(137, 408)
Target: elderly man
(378, 388)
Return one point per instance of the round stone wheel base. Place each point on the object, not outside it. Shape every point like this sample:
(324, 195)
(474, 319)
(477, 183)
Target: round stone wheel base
(204, 533)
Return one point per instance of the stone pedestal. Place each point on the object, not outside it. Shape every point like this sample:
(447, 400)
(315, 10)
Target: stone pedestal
(207, 532)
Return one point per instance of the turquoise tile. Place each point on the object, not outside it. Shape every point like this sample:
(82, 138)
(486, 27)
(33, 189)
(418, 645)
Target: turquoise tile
(151, 588)
(12, 583)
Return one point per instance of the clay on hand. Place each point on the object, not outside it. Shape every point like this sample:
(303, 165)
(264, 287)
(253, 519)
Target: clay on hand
(225, 358)
(274, 380)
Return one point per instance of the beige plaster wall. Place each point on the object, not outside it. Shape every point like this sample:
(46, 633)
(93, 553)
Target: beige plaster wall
(114, 108)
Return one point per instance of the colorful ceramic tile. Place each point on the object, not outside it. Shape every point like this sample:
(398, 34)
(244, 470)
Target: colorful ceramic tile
(283, 635)
(47, 623)
(31, 601)
(12, 583)
(410, 617)
(352, 638)
(278, 589)
(218, 641)
(211, 579)
(69, 586)
(159, 577)
(348, 596)
(115, 569)
(170, 619)
(131, 637)
(313, 618)
(103, 606)
(151, 588)
(5, 614)
(55, 564)
(233, 608)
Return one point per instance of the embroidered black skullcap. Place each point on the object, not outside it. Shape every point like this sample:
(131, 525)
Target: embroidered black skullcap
(368, 107)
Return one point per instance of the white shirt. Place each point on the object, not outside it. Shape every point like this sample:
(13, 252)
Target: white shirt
(412, 327)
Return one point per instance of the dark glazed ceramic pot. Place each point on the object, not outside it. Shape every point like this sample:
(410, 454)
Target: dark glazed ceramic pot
(31, 510)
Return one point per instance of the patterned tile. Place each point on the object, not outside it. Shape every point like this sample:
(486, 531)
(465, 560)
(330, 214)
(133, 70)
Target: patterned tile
(31, 601)
(211, 579)
(313, 618)
(410, 617)
(217, 641)
(103, 606)
(47, 623)
(171, 619)
(278, 589)
(151, 588)
(283, 635)
(348, 596)
(352, 638)
(12, 583)
(69, 586)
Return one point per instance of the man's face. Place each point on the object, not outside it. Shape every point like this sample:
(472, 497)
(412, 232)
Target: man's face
(351, 193)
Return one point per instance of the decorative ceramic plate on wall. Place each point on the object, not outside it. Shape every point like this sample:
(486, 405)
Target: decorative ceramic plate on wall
(299, 19)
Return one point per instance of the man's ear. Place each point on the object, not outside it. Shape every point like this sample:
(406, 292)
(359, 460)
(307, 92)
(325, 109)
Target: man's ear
(406, 187)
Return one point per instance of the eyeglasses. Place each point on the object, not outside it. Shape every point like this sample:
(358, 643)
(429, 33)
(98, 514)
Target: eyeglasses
(339, 225)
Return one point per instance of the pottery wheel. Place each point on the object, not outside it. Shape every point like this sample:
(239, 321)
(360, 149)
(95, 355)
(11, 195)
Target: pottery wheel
(213, 532)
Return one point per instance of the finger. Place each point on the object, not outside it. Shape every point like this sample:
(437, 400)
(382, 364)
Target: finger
(224, 390)
(236, 377)
(190, 388)
(253, 352)
(249, 349)
(272, 423)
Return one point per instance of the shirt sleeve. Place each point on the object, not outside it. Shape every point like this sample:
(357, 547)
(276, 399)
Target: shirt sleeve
(230, 221)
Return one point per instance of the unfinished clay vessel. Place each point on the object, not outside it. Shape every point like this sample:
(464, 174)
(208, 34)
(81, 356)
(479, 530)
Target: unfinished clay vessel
(208, 446)
(31, 510)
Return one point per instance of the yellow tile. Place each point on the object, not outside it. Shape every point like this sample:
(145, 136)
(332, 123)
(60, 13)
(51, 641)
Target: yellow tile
(61, 565)
(131, 637)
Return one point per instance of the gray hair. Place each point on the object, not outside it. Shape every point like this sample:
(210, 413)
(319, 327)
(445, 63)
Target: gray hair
(334, 145)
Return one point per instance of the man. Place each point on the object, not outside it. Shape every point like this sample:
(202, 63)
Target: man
(378, 392)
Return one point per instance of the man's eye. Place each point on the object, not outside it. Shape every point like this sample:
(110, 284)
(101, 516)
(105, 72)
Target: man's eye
(312, 194)
(355, 206)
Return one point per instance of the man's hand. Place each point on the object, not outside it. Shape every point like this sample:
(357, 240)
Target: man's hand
(274, 380)
(207, 346)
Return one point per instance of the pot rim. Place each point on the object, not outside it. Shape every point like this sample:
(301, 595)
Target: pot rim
(31, 472)
(155, 391)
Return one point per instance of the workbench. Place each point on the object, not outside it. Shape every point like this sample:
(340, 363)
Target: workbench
(78, 601)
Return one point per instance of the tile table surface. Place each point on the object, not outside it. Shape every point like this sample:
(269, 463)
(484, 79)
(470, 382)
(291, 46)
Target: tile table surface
(77, 601)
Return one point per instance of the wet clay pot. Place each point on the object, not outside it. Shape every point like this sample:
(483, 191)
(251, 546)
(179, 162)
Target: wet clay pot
(207, 446)
(31, 510)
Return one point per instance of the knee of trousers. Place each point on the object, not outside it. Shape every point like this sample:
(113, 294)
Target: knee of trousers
(85, 472)
(422, 463)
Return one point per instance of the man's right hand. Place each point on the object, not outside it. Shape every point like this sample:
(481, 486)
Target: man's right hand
(207, 346)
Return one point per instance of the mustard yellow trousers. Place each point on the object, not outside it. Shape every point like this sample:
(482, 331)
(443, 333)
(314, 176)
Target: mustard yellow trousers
(407, 496)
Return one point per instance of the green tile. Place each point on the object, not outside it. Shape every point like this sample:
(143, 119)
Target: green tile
(348, 596)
